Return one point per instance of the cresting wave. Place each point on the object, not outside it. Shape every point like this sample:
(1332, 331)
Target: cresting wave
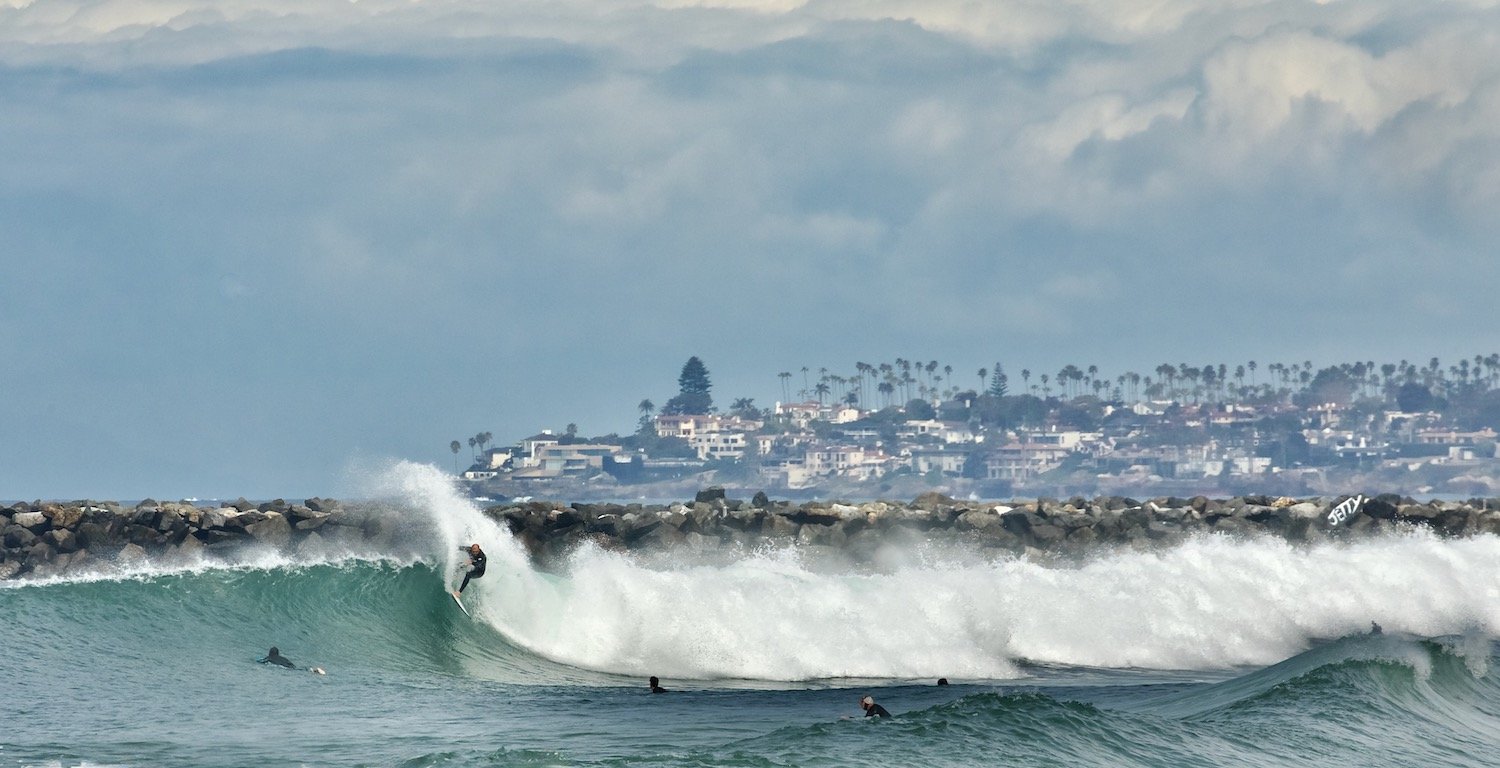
(1212, 603)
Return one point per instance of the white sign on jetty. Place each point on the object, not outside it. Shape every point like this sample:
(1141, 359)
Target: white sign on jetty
(1346, 509)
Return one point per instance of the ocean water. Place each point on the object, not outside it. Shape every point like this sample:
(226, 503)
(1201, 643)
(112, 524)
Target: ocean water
(1216, 652)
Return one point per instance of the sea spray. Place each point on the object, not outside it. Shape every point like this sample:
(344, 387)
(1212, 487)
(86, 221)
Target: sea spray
(1212, 602)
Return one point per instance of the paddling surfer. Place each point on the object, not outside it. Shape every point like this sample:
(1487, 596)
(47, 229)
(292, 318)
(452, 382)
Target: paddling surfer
(871, 708)
(274, 657)
(476, 566)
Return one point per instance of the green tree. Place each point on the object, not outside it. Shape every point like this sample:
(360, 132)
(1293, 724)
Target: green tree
(693, 390)
(919, 409)
(455, 446)
(1330, 385)
(998, 382)
(1414, 398)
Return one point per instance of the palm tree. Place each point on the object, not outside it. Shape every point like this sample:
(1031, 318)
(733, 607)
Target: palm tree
(454, 446)
(821, 389)
(786, 387)
(473, 442)
(984, 376)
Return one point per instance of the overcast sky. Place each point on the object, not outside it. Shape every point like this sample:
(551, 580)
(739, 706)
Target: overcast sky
(248, 244)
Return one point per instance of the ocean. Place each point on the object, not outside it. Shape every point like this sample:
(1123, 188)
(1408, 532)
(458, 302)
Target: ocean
(1214, 652)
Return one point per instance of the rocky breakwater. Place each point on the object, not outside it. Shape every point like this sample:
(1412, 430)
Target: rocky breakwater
(43, 539)
(1071, 526)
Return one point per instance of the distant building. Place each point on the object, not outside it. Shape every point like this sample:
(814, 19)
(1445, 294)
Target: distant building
(718, 445)
(686, 426)
(576, 459)
(944, 431)
(801, 414)
(949, 461)
(1018, 461)
(1454, 437)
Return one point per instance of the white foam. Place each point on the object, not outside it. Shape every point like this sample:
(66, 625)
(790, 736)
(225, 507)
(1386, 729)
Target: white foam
(1212, 602)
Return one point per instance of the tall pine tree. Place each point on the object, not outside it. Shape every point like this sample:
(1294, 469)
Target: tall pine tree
(999, 382)
(693, 386)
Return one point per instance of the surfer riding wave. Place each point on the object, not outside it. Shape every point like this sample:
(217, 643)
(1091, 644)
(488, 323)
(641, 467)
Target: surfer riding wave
(476, 566)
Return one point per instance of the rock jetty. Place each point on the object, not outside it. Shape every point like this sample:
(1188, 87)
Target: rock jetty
(43, 539)
(49, 538)
(1071, 526)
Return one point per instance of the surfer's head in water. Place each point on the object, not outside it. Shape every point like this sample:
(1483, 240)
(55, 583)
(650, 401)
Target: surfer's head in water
(656, 685)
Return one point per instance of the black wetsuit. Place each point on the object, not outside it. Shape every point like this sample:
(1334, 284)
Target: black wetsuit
(876, 710)
(278, 660)
(476, 561)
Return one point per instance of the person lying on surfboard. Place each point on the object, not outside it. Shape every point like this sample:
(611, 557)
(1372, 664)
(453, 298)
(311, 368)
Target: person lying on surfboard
(476, 566)
(275, 657)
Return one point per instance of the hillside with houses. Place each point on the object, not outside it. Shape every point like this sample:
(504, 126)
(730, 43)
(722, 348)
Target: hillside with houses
(1404, 429)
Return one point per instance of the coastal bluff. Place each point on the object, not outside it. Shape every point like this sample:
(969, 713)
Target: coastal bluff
(42, 539)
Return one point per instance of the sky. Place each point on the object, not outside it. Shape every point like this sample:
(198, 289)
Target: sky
(254, 247)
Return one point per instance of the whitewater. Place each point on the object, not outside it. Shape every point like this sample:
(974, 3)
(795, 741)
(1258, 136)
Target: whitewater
(1188, 655)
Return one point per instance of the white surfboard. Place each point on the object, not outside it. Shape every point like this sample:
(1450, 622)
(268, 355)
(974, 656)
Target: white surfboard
(461, 605)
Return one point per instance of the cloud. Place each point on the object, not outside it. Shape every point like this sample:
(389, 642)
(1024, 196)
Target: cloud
(488, 209)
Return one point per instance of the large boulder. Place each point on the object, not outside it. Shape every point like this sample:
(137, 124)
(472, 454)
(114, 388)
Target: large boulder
(779, 526)
(218, 519)
(312, 521)
(709, 495)
(17, 536)
(932, 501)
(274, 530)
(36, 522)
(64, 516)
(95, 535)
(976, 520)
(190, 549)
(1019, 521)
(131, 554)
(1047, 535)
(62, 539)
(170, 520)
(321, 505)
